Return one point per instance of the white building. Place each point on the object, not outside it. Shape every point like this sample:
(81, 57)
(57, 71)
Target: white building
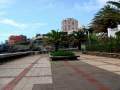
(112, 32)
(69, 25)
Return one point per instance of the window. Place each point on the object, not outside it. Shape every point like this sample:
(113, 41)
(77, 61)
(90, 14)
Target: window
(69, 27)
(72, 23)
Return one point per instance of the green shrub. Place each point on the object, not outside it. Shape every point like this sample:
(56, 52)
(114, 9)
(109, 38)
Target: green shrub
(111, 45)
(62, 53)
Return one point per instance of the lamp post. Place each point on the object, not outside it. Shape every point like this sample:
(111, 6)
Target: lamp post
(89, 37)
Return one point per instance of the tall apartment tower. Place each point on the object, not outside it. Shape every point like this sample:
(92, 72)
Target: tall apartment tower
(69, 25)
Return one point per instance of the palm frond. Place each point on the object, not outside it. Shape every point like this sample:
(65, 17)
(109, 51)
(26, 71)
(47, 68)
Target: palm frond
(115, 3)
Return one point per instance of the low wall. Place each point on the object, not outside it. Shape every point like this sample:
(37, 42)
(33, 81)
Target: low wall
(112, 55)
(11, 56)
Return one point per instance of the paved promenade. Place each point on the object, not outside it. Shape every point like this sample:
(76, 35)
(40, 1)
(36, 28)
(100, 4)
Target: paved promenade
(22, 74)
(37, 72)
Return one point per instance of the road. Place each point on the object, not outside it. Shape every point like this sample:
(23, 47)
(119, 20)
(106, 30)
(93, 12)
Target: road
(37, 72)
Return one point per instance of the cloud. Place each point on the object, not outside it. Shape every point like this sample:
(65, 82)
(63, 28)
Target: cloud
(21, 26)
(13, 23)
(102, 2)
(2, 13)
(90, 5)
(39, 24)
(35, 25)
(5, 3)
(85, 7)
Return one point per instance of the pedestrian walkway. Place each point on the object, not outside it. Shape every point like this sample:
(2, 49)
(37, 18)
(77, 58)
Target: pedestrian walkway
(38, 73)
(109, 64)
(80, 75)
(23, 73)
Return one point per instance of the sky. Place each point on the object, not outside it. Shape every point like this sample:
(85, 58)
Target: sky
(31, 17)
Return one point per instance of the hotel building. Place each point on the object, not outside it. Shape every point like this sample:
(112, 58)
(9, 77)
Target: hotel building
(69, 25)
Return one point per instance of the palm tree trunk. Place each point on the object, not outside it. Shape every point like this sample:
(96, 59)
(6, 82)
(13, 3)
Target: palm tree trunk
(79, 45)
(56, 46)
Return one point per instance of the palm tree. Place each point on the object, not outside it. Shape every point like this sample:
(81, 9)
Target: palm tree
(64, 40)
(105, 18)
(79, 37)
(115, 4)
(54, 38)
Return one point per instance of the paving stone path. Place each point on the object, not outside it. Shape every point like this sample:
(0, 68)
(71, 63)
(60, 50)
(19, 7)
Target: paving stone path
(37, 72)
(23, 73)
(88, 73)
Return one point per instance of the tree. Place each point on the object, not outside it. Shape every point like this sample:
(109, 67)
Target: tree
(54, 38)
(65, 40)
(115, 4)
(107, 17)
(79, 37)
(118, 34)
